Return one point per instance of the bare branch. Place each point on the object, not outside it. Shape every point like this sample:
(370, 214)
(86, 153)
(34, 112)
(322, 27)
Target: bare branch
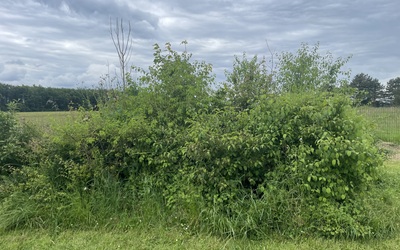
(123, 45)
(272, 55)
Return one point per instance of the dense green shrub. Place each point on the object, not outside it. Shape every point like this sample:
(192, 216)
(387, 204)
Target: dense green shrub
(313, 148)
(14, 143)
(167, 151)
(248, 80)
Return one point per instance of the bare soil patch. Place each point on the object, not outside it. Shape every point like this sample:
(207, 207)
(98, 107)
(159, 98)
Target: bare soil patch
(392, 149)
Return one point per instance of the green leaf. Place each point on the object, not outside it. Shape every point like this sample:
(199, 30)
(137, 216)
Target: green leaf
(328, 190)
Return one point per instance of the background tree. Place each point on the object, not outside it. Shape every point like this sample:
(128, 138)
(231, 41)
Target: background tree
(174, 87)
(38, 98)
(122, 40)
(248, 80)
(393, 90)
(308, 70)
(368, 89)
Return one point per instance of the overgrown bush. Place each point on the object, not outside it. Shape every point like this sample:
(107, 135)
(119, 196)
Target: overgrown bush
(15, 143)
(313, 149)
(293, 163)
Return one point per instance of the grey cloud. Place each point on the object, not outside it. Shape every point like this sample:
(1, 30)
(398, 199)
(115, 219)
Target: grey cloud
(65, 42)
(11, 74)
(15, 62)
(102, 11)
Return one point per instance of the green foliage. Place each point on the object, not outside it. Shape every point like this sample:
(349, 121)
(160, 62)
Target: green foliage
(248, 81)
(174, 88)
(315, 147)
(368, 88)
(38, 98)
(13, 106)
(329, 158)
(308, 70)
(14, 143)
(393, 90)
(167, 151)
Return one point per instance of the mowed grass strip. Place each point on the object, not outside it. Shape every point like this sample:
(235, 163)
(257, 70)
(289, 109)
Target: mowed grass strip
(173, 239)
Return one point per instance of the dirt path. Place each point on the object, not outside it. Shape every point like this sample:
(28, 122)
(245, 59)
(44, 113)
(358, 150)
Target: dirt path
(393, 149)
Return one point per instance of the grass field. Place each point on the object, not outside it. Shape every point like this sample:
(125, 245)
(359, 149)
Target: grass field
(387, 128)
(386, 122)
(46, 119)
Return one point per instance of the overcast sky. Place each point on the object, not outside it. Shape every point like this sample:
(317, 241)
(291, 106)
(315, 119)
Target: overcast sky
(67, 43)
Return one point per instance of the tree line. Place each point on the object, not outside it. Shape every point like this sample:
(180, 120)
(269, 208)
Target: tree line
(39, 98)
(36, 98)
(371, 92)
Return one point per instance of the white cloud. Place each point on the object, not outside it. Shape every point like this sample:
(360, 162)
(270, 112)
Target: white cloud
(65, 8)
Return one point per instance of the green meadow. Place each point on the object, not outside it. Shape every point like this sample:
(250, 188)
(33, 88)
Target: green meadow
(45, 120)
(384, 121)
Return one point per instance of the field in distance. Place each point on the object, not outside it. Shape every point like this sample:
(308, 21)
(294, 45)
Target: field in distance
(384, 121)
(44, 120)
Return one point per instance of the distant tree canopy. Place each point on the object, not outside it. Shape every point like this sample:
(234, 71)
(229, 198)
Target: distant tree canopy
(38, 98)
(369, 89)
(393, 90)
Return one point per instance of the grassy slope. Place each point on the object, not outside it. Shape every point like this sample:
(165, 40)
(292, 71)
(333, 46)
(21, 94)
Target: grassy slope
(172, 238)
